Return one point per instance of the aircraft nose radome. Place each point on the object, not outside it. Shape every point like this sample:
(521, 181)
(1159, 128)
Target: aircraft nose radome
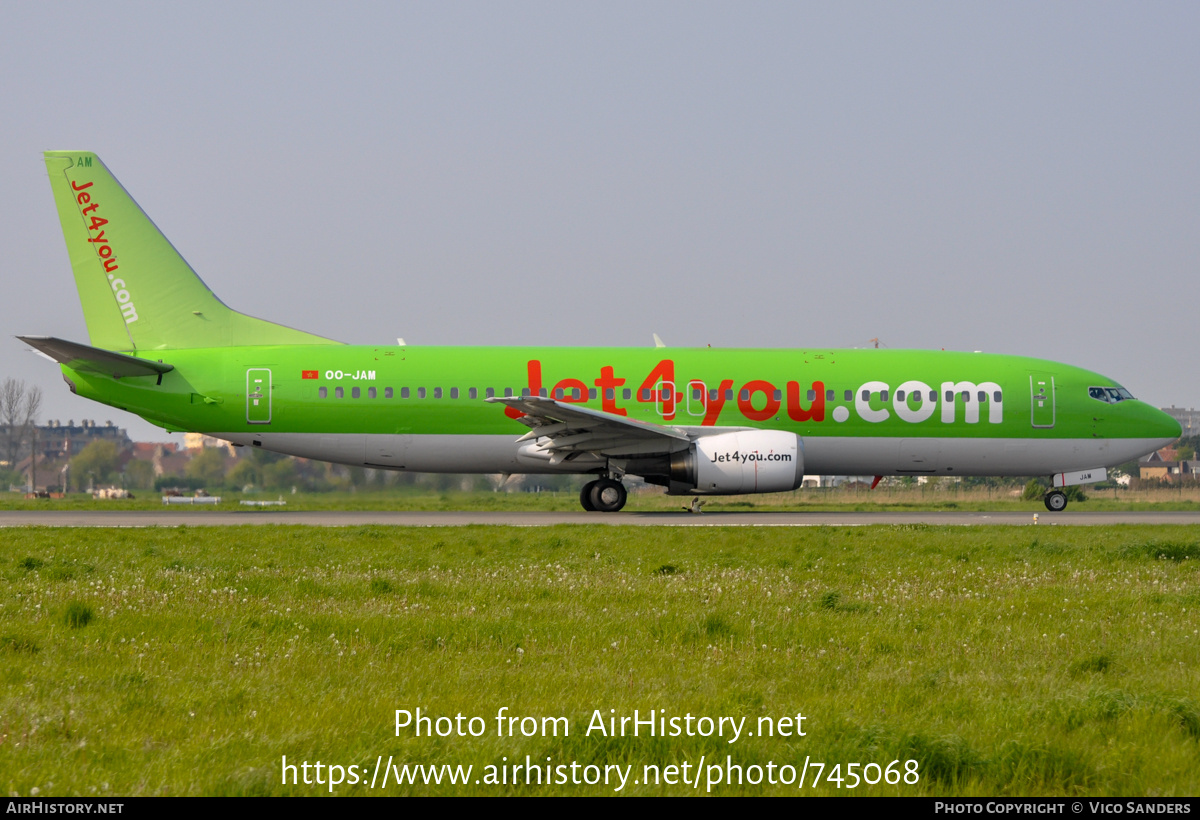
(1162, 426)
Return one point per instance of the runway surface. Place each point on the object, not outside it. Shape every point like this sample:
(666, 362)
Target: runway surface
(215, 518)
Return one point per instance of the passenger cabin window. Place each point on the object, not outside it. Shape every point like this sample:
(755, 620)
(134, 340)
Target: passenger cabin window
(387, 392)
(610, 393)
(524, 392)
(420, 392)
(338, 393)
(355, 393)
(591, 392)
(982, 396)
(626, 394)
(558, 393)
(473, 393)
(997, 396)
(490, 393)
(437, 392)
(849, 395)
(508, 392)
(866, 395)
(829, 394)
(779, 395)
(883, 394)
(371, 393)
(899, 395)
(322, 392)
(696, 394)
(454, 392)
(812, 395)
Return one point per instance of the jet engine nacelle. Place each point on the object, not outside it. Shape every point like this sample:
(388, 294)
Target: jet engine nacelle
(751, 461)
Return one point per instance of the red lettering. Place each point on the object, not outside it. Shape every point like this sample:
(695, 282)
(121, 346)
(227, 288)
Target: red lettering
(90, 208)
(746, 405)
(568, 388)
(659, 386)
(534, 370)
(796, 412)
(98, 222)
(715, 405)
(110, 265)
(83, 199)
(98, 238)
(606, 382)
(80, 187)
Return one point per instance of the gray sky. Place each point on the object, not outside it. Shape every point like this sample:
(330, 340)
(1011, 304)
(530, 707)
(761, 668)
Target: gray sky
(1012, 177)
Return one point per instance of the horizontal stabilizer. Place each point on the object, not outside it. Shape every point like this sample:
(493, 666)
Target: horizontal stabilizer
(94, 360)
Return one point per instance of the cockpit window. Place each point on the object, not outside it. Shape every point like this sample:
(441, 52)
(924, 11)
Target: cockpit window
(1109, 395)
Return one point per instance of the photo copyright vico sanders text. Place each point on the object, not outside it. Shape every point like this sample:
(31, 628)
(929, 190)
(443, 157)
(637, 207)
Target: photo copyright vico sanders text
(1049, 806)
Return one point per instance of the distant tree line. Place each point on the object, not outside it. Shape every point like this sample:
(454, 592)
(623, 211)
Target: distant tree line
(20, 405)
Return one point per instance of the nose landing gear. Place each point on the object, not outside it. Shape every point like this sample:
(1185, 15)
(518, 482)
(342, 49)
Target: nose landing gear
(1056, 501)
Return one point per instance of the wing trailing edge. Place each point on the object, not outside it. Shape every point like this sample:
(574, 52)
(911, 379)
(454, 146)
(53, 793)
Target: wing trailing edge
(563, 428)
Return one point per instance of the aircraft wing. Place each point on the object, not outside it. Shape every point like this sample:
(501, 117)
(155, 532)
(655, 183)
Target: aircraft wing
(564, 429)
(94, 360)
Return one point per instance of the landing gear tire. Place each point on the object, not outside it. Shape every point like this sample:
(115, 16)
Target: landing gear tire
(1056, 501)
(585, 495)
(608, 495)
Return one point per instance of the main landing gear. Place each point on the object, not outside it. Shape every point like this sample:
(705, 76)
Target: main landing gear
(1056, 501)
(603, 495)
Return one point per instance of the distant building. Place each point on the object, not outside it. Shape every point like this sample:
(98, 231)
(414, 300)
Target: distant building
(56, 440)
(55, 443)
(166, 458)
(1165, 465)
(1188, 419)
(199, 441)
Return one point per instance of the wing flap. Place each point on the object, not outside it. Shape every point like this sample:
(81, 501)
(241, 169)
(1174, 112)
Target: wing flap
(562, 428)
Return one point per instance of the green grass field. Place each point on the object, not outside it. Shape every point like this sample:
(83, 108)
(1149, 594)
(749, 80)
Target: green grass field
(1005, 660)
(946, 496)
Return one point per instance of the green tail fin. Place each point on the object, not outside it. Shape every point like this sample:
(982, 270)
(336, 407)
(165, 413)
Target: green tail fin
(137, 292)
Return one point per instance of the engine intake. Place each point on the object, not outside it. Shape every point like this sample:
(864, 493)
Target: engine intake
(752, 461)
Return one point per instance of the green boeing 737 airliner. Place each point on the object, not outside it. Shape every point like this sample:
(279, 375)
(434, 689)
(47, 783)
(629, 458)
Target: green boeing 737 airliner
(696, 421)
